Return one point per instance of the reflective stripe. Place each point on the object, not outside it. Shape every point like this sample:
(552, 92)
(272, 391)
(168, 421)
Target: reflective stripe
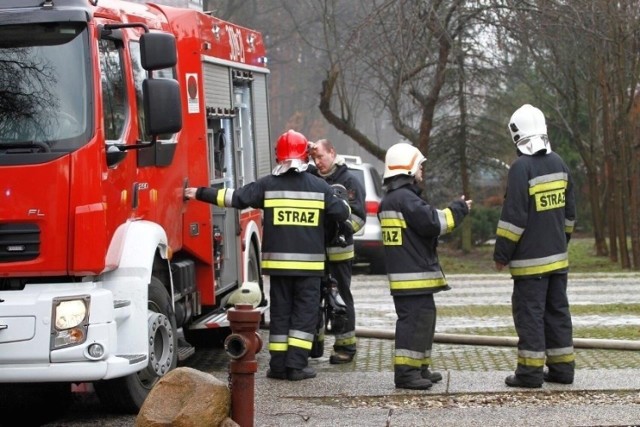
(393, 222)
(531, 354)
(340, 254)
(392, 219)
(343, 342)
(293, 261)
(391, 215)
(549, 191)
(351, 334)
(552, 181)
(297, 199)
(292, 265)
(563, 358)
(509, 231)
(531, 358)
(409, 353)
(547, 186)
(528, 267)
(278, 346)
(304, 344)
(560, 355)
(423, 280)
(278, 343)
(295, 333)
(568, 225)
(356, 222)
(278, 338)
(447, 222)
(284, 256)
(290, 203)
(302, 195)
(415, 276)
(532, 362)
(411, 358)
(559, 351)
(224, 197)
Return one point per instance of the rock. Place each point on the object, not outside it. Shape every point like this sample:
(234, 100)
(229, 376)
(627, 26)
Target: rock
(186, 397)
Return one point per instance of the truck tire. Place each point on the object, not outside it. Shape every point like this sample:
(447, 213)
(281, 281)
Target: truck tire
(127, 394)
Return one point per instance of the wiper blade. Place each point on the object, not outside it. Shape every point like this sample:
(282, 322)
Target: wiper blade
(24, 146)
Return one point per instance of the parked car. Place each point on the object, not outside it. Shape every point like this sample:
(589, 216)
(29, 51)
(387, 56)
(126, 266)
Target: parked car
(368, 242)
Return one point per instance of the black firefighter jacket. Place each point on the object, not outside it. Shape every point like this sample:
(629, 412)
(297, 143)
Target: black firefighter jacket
(410, 231)
(296, 206)
(538, 217)
(356, 200)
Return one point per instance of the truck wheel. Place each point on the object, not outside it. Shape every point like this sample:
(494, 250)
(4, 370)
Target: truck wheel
(127, 394)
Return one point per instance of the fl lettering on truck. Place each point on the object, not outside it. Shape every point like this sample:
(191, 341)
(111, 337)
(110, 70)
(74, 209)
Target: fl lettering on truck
(108, 276)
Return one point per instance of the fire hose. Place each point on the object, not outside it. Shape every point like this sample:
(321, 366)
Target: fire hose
(501, 341)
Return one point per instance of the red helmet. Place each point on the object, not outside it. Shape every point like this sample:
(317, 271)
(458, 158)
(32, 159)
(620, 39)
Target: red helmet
(292, 145)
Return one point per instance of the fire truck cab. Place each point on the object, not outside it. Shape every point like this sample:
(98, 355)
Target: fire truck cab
(109, 110)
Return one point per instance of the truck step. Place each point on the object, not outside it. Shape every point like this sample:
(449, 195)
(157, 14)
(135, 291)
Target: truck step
(218, 319)
(185, 350)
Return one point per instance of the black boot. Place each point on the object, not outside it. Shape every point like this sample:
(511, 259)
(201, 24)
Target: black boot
(554, 378)
(415, 384)
(300, 374)
(340, 357)
(434, 377)
(515, 381)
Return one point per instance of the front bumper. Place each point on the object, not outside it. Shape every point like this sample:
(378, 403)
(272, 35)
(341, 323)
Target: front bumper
(25, 336)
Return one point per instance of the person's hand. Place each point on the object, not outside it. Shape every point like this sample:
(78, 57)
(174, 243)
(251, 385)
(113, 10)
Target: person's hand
(499, 266)
(310, 147)
(190, 193)
(468, 202)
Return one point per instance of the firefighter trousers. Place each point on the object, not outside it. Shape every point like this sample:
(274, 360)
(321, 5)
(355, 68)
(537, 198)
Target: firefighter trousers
(294, 316)
(345, 342)
(543, 322)
(415, 329)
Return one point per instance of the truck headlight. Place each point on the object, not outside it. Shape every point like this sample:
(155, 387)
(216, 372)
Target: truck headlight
(70, 321)
(69, 314)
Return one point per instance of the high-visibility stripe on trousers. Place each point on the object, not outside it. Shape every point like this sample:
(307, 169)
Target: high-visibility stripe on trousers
(294, 314)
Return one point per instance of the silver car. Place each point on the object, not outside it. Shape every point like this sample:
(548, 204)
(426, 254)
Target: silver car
(368, 242)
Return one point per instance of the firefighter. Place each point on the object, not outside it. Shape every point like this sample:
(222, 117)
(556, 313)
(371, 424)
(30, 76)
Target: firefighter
(296, 206)
(537, 219)
(332, 168)
(410, 231)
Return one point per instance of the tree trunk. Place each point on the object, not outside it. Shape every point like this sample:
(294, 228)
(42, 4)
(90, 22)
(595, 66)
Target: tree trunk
(462, 147)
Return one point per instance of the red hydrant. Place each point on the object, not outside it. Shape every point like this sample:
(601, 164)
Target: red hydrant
(241, 346)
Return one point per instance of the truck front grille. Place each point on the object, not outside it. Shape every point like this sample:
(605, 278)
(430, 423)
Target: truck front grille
(19, 242)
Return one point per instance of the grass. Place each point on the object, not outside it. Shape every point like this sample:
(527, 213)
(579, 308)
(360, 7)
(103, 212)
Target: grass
(619, 332)
(505, 310)
(582, 259)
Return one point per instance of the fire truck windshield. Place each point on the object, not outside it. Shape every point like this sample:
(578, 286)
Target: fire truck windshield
(44, 87)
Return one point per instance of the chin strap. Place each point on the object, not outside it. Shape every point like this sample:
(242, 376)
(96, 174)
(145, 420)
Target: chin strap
(534, 145)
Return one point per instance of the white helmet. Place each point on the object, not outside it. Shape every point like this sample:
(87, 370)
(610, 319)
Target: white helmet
(529, 130)
(402, 159)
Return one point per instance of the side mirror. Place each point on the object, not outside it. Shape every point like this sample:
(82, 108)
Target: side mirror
(158, 51)
(162, 106)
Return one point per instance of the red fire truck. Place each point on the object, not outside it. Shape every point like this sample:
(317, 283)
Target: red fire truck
(108, 110)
